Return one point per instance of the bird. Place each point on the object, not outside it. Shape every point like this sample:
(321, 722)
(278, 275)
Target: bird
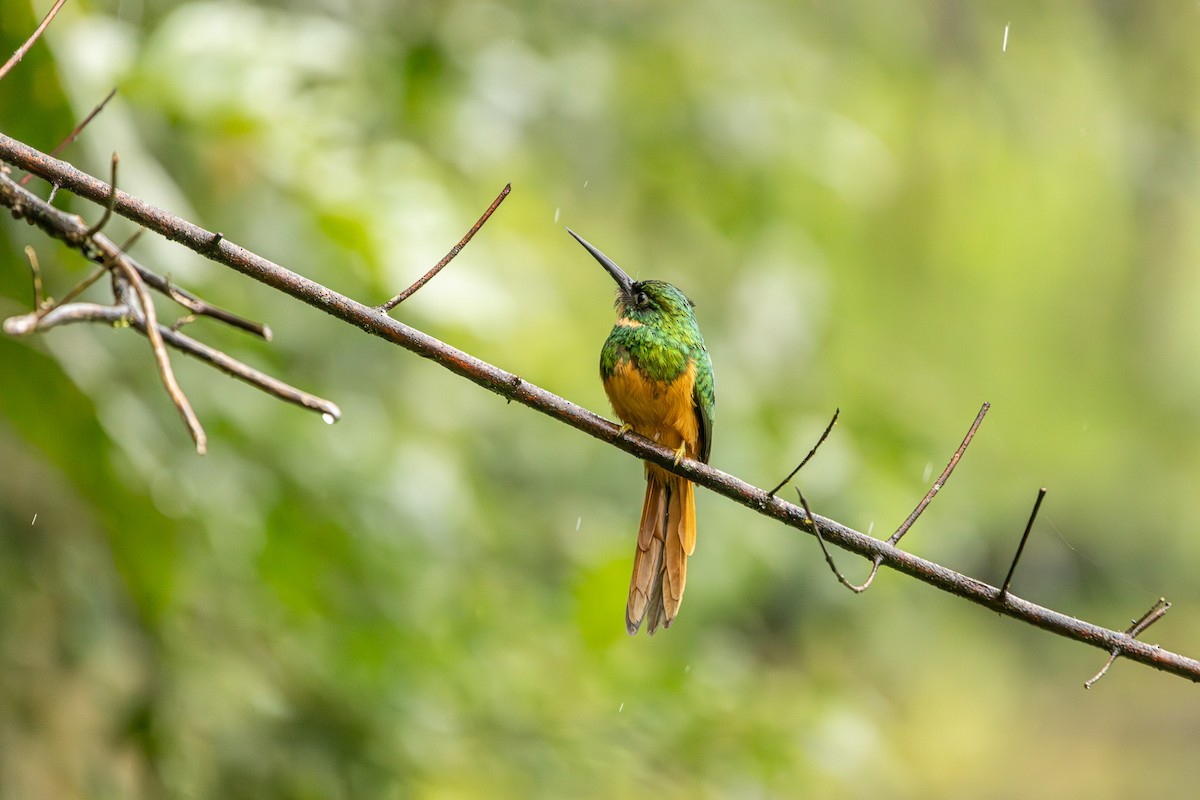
(658, 377)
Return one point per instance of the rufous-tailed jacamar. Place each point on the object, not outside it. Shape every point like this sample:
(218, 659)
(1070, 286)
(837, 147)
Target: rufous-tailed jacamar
(659, 379)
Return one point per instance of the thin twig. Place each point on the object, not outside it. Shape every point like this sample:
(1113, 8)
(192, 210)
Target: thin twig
(200, 307)
(77, 290)
(945, 476)
(58, 148)
(1021, 547)
(134, 279)
(23, 49)
(513, 388)
(428, 276)
(108, 206)
(35, 270)
(1145, 621)
(811, 453)
(816, 529)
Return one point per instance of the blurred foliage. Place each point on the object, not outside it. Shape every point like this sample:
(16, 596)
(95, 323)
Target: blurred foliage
(899, 209)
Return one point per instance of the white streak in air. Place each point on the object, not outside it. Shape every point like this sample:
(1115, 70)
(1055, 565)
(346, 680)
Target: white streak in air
(621, 708)
(870, 527)
(1004, 47)
(578, 522)
(585, 183)
(928, 470)
(34, 520)
(556, 212)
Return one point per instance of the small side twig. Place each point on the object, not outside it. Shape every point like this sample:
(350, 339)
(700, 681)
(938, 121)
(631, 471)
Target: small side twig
(36, 271)
(454, 251)
(199, 307)
(23, 49)
(816, 529)
(1152, 616)
(1037, 504)
(108, 206)
(811, 453)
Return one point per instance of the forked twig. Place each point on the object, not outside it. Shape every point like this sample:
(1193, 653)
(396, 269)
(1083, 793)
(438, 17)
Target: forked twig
(454, 251)
(1037, 504)
(925, 501)
(1152, 616)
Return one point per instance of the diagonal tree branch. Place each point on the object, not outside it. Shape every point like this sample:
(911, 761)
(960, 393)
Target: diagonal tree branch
(513, 387)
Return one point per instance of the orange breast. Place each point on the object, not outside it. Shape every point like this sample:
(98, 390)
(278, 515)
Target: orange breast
(662, 411)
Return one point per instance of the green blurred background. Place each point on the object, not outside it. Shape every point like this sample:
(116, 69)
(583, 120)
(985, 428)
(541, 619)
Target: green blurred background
(901, 210)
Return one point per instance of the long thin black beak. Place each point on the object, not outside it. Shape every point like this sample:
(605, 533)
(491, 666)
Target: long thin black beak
(618, 274)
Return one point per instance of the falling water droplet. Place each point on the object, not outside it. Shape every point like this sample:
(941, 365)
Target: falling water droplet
(620, 708)
(556, 213)
(1004, 47)
(578, 522)
(34, 520)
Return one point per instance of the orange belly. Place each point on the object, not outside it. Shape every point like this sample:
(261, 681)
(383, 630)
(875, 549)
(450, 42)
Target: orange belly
(664, 412)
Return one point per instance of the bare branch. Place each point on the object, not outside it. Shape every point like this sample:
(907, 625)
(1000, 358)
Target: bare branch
(23, 49)
(428, 276)
(99, 248)
(513, 387)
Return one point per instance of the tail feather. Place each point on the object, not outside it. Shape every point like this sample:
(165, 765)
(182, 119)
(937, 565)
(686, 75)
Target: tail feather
(666, 537)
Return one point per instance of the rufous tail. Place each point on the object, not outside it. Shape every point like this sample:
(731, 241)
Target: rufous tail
(666, 537)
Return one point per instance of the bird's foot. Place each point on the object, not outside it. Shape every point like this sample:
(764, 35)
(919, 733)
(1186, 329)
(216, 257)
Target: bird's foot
(626, 428)
(680, 453)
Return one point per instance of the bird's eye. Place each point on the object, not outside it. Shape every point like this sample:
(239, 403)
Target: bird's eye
(642, 299)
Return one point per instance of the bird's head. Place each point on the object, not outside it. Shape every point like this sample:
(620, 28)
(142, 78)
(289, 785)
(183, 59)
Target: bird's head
(641, 302)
